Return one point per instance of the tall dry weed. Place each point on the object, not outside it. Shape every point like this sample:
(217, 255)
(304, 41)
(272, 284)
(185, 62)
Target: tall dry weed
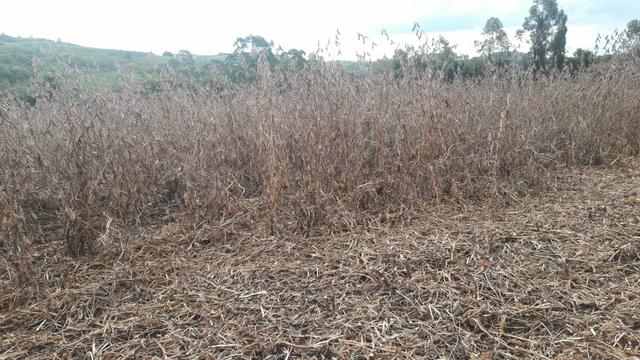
(298, 151)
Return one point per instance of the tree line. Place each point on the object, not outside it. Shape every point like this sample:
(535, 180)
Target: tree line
(544, 29)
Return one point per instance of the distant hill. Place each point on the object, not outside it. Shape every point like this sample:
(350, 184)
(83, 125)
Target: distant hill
(18, 56)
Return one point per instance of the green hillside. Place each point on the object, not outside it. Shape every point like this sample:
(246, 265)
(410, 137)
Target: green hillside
(18, 56)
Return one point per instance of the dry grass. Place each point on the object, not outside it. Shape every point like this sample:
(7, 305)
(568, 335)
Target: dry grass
(212, 189)
(556, 275)
(302, 153)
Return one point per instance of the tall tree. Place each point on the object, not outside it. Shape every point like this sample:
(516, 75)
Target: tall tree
(633, 30)
(293, 58)
(547, 28)
(444, 57)
(251, 43)
(242, 65)
(495, 38)
(559, 43)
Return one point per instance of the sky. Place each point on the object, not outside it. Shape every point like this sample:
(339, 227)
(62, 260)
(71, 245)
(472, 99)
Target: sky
(211, 27)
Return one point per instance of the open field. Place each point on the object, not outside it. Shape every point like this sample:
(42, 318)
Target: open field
(437, 191)
(325, 212)
(553, 275)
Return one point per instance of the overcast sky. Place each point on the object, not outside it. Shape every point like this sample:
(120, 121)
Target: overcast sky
(210, 27)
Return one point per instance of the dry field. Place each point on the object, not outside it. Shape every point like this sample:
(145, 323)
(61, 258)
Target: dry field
(325, 214)
(551, 276)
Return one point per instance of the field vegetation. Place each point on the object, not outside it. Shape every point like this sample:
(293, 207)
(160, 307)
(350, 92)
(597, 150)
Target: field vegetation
(297, 152)
(300, 150)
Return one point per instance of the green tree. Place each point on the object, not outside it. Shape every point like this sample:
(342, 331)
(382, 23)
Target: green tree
(242, 65)
(559, 43)
(584, 58)
(547, 28)
(183, 61)
(399, 62)
(633, 30)
(495, 39)
(293, 58)
(445, 58)
(251, 43)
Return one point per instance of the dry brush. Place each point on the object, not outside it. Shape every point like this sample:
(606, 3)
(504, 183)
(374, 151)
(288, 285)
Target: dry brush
(294, 153)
